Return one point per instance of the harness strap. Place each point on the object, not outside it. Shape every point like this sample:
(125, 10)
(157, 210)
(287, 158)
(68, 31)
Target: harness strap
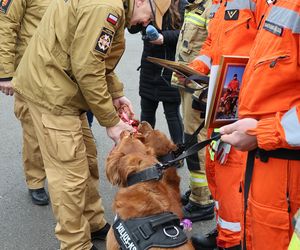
(152, 173)
(248, 177)
(281, 153)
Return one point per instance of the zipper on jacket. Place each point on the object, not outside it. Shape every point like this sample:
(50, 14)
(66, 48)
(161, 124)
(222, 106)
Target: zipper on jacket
(274, 62)
(288, 201)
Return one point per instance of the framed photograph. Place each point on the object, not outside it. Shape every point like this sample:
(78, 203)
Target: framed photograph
(224, 103)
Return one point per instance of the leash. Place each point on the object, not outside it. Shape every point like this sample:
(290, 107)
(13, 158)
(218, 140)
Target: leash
(156, 171)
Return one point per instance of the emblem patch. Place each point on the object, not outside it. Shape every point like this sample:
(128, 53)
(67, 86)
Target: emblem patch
(112, 19)
(4, 5)
(273, 28)
(104, 40)
(232, 14)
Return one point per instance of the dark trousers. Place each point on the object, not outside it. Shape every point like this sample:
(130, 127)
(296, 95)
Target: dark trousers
(172, 114)
(90, 117)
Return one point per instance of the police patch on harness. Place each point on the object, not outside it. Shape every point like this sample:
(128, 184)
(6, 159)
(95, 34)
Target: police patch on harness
(273, 28)
(104, 40)
(232, 14)
(4, 5)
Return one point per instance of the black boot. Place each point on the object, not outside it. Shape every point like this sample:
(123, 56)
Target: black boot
(39, 196)
(205, 242)
(94, 248)
(101, 234)
(185, 197)
(196, 212)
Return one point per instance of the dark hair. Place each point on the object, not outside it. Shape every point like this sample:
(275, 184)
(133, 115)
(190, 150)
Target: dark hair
(174, 15)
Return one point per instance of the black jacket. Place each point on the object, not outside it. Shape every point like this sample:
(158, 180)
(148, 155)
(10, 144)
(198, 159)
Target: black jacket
(152, 84)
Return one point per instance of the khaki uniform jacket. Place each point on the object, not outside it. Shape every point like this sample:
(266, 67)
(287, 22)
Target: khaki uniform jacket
(194, 30)
(18, 22)
(68, 67)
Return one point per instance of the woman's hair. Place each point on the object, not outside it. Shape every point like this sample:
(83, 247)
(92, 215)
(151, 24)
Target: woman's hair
(174, 15)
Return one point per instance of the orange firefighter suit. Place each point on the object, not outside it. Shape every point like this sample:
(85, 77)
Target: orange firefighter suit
(232, 30)
(270, 93)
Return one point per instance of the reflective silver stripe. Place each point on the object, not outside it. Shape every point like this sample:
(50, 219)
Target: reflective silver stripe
(232, 226)
(286, 18)
(217, 205)
(205, 59)
(241, 5)
(214, 8)
(291, 126)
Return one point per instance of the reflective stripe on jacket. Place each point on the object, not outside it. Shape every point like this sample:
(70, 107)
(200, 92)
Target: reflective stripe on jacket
(18, 21)
(69, 65)
(270, 89)
(231, 31)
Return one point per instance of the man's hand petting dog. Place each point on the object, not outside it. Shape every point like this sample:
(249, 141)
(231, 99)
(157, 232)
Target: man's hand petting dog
(115, 131)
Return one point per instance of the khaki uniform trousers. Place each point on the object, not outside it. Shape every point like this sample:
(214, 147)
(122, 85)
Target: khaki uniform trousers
(70, 158)
(32, 159)
(191, 119)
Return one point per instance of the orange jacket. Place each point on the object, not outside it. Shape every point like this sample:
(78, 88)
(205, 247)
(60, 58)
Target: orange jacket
(234, 85)
(231, 31)
(271, 84)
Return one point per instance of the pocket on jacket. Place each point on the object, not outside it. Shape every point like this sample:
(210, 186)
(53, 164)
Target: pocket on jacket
(63, 137)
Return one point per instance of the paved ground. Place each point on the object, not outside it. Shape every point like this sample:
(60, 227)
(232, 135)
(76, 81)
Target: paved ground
(24, 226)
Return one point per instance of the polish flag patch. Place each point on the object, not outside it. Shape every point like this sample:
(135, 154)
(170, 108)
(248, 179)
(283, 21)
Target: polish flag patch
(112, 19)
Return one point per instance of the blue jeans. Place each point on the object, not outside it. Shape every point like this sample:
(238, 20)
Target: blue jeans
(172, 114)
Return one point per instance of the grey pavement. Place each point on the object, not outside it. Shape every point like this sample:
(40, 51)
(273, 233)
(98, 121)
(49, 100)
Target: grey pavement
(24, 226)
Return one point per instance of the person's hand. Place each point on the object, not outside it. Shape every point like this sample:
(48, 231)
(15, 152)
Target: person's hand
(123, 100)
(236, 134)
(180, 78)
(6, 88)
(159, 40)
(115, 131)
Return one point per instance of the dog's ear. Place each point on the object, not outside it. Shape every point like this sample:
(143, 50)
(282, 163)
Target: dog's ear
(144, 127)
(112, 167)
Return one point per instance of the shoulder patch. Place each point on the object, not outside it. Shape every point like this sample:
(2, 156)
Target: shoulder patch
(112, 19)
(104, 40)
(273, 28)
(232, 14)
(4, 5)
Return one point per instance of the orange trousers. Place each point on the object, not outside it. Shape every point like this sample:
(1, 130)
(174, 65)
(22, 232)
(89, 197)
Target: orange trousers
(273, 200)
(224, 182)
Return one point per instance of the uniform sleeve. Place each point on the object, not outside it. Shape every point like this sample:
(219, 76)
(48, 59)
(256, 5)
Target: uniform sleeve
(89, 52)
(115, 87)
(203, 61)
(11, 15)
(281, 131)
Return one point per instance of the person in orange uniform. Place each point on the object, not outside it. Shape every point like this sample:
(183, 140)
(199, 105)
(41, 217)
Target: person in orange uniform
(232, 30)
(269, 127)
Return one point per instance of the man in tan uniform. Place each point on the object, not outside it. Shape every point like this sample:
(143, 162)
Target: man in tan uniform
(67, 69)
(200, 205)
(18, 21)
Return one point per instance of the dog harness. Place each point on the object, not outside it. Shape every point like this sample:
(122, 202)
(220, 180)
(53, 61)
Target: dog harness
(161, 230)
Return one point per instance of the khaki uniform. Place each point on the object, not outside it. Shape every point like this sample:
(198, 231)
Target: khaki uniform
(67, 69)
(191, 38)
(18, 21)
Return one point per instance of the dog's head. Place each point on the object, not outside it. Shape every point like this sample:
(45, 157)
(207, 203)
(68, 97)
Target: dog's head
(156, 139)
(131, 155)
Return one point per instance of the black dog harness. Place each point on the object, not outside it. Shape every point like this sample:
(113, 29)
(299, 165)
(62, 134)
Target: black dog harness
(161, 230)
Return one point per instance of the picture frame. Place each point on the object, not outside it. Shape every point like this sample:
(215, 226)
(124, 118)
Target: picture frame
(222, 106)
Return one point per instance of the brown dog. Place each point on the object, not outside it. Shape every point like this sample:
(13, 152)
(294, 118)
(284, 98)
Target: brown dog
(143, 199)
